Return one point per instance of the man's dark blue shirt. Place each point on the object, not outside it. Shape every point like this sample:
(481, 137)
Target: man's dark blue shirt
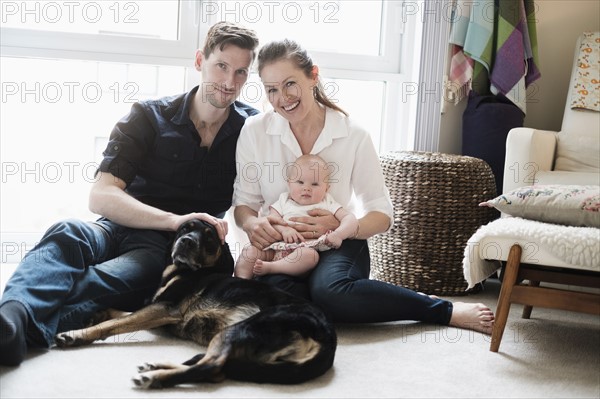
(156, 150)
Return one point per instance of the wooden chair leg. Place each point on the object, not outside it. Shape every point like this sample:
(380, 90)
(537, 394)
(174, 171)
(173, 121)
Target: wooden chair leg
(528, 308)
(508, 281)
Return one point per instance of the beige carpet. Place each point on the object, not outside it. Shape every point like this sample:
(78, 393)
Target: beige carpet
(555, 354)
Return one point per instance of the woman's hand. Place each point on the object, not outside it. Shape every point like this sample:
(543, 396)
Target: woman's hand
(314, 226)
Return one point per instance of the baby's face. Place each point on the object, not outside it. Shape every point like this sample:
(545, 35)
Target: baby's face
(308, 185)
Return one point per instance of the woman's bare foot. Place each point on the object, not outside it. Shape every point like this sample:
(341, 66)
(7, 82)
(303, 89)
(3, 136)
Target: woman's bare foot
(472, 316)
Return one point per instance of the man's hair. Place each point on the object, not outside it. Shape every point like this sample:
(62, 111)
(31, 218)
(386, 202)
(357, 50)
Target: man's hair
(224, 33)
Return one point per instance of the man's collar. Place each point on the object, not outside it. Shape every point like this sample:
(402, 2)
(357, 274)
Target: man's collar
(182, 116)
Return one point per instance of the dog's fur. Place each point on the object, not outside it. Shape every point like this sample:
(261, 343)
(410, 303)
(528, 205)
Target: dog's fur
(254, 332)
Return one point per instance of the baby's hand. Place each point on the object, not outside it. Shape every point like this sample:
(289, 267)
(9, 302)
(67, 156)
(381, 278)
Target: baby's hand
(333, 240)
(290, 236)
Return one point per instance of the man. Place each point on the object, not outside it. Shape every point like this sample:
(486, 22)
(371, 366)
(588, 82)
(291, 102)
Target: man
(167, 161)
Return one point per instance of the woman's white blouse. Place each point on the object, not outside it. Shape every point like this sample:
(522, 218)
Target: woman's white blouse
(267, 148)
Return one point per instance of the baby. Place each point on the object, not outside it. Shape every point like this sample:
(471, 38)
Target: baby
(307, 190)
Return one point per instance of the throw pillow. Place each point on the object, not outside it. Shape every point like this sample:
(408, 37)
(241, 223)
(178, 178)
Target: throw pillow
(570, 205)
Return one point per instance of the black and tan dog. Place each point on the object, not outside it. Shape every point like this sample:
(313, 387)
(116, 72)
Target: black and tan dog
(253, 332)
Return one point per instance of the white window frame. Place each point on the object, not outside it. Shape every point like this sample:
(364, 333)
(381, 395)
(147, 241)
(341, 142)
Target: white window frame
(391, 31)
(20, 42)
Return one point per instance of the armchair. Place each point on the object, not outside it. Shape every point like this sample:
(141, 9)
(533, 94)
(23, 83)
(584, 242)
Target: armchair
(530, 248)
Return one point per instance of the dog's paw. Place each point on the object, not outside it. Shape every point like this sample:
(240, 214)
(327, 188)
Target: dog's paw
(71, 339)
(145, 381)
(146, 367)
(64, 340)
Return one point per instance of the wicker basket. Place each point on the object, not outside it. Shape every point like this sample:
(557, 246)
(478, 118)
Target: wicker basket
(436, 211)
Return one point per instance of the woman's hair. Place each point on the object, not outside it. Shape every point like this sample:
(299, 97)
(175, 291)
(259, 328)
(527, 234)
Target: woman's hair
(223, 33)
(287, 49)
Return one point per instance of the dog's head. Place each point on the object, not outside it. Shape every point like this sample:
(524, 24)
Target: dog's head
(197, 245)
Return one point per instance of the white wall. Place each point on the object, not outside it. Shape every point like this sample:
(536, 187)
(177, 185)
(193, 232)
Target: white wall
(559, 23)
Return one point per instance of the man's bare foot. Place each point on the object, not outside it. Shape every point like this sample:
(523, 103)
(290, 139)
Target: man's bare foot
(472, 316)
(261, 268)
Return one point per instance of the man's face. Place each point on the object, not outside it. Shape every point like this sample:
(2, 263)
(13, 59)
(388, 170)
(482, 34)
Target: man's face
(224, 74)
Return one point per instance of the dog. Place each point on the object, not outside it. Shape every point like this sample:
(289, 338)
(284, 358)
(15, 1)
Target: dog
(253, 331)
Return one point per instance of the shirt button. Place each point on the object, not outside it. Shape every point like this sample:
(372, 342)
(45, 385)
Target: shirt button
(116, 147)
(175, 156)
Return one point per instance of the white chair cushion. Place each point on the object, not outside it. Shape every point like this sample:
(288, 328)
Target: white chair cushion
(562, 177)
(542, 243)
(578, 152)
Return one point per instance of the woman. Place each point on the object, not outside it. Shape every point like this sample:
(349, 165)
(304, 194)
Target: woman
(305, 121)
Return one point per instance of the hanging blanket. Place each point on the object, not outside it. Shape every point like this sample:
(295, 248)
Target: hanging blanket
(460, 75)
(515, 64)
(578, 246)
(501, 37)
(586, 90)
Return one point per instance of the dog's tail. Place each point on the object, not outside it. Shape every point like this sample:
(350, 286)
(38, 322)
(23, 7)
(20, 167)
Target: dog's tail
(286, 344)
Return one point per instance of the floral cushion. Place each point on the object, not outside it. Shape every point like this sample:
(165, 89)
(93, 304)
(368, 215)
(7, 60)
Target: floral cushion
(570, 205)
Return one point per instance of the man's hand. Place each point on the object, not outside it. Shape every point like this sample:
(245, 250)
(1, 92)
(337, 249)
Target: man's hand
(314, 226)
(109, 199)
(220, 224)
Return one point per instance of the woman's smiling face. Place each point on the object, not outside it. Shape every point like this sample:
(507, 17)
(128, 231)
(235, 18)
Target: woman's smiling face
(289, 90)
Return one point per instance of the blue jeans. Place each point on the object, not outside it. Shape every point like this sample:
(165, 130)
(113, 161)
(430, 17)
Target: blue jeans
(79, 268)
(340, 285)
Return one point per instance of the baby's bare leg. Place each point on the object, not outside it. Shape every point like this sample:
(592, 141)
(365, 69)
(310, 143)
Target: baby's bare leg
(245, 262)
(297, 263)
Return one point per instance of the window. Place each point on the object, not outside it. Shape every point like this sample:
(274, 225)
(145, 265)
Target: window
(356, 34)
(69, 72)
(56, 117)
(107, 30)
(71, 69)
(157, 20)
